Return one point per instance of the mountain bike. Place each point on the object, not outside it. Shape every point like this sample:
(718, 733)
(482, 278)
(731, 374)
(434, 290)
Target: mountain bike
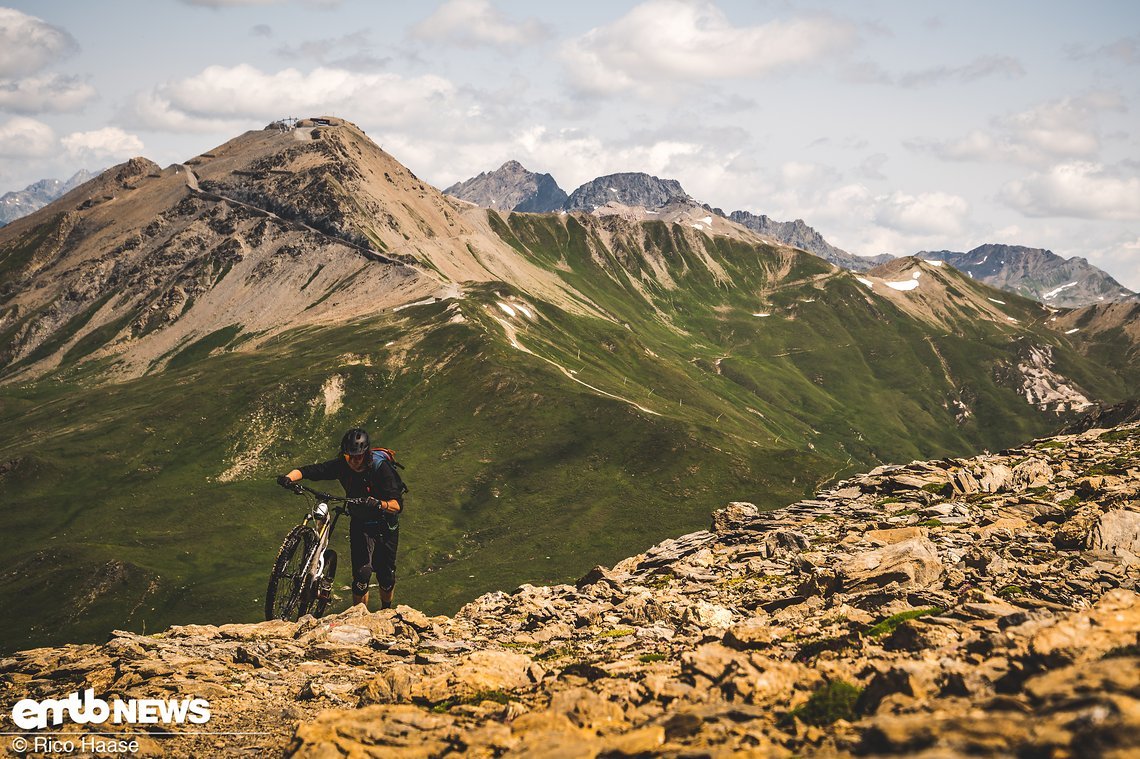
(302, 576)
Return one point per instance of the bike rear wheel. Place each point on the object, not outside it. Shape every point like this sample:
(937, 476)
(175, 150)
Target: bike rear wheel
(288, 591)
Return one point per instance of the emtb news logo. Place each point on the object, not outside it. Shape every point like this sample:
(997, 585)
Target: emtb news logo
(30, 714)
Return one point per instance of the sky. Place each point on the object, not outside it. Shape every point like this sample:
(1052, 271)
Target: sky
(889, 126)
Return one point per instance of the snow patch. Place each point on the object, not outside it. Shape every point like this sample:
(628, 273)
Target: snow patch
(1071, 331)
(933, 263)
(697, 226)
(707, 220)
(867, 282)
(1053, 293)
(525, 311)
(995, 300)
(906, 284)
(510, 311)
(760, 314)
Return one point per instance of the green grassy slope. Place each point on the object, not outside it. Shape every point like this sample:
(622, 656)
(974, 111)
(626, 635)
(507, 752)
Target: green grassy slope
(536, 445)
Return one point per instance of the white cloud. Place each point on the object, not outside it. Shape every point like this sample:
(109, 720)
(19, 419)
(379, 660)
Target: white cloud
(477, 22)
(979, 68)
(21, 137)
(1060, 129)
(1080, 189)
(662, 42)
(42, 94)
(101, 144)
(1126, 50)
(928, 213)
(28, 44)
(221, 97)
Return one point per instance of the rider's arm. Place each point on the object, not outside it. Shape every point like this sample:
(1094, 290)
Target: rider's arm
(329, 470)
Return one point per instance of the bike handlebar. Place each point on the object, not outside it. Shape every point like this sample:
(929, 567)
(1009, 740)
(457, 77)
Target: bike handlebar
(298, 488)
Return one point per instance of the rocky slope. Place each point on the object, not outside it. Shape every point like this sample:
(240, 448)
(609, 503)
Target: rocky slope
(1037, 273)
(983, 606)
(800, 235)
(19, 203)
(511, 188)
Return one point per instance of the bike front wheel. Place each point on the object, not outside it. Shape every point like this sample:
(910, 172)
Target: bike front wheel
(287, 594)
(324, 584)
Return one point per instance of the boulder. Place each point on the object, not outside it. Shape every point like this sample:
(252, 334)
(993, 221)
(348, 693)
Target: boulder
(996, 478)
(895, 535)
(1117, 531)
(1031, 473)
(733, 516)
(912, 563)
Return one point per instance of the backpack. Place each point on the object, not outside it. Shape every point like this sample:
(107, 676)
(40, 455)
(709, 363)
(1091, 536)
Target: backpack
(387, 454)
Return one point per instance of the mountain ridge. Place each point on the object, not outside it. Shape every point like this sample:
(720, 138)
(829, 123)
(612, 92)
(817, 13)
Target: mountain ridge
(1031, 272)
(1037, 273)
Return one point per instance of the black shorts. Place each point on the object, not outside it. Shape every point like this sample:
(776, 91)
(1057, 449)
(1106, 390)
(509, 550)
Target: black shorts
(374, 545)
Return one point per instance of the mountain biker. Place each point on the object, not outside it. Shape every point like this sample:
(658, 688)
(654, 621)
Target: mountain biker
(374, 527)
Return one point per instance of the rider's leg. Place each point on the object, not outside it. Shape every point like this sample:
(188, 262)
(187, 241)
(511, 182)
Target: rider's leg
(362, 546)
(384, 560)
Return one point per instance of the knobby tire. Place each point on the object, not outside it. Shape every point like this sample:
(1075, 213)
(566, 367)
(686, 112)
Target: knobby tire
(287, 596)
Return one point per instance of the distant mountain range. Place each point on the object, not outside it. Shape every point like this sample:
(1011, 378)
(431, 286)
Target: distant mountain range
(1037, 273)
(35, 196)
(1032, 272)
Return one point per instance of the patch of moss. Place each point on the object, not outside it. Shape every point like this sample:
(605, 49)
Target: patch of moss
(647, 658)
(620, 632)
(930, 523)
(1010, 591)
(888, 625)
(833, 701)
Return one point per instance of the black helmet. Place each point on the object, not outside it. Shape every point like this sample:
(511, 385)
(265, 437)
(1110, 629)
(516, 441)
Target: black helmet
(355, 442)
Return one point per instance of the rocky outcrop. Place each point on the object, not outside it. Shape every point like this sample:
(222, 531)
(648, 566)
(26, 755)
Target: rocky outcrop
(983, 606)
(511, 188)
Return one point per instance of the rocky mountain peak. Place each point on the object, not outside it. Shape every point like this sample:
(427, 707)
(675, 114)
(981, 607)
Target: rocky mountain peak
(905, 610)
(511, 187)
(627, 188)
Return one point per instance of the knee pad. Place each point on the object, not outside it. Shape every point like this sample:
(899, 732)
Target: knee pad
(360, 580)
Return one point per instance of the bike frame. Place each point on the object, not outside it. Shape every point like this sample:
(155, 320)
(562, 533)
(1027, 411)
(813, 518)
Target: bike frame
(315, 561)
